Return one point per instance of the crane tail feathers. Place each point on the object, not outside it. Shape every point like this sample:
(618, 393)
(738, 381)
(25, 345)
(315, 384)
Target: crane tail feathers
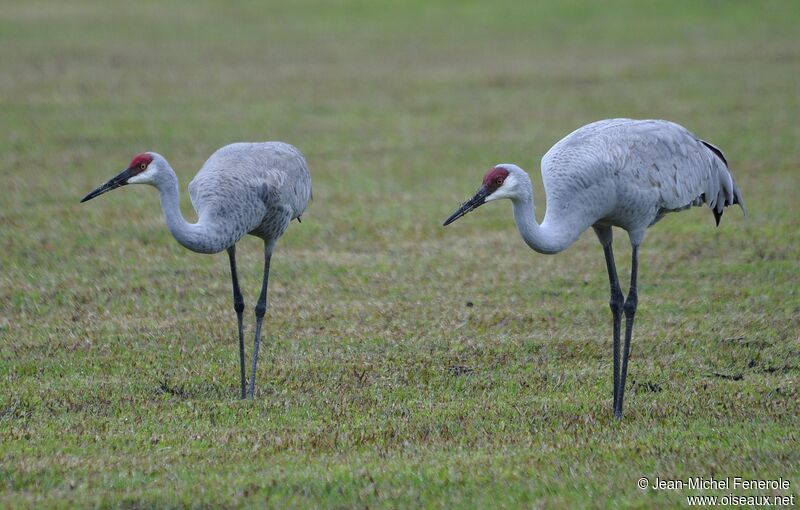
(717, 215)
(738, 200)
(718, 206)
(728, 192)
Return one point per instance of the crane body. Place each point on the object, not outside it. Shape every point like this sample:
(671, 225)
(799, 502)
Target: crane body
(613, 173)
(243, 188)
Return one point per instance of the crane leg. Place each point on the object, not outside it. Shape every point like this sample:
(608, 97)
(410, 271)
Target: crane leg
(238, 305)
(616, 302)
(630, 310)
(261, 310)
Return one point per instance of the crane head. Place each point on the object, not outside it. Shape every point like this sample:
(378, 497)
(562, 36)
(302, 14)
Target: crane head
(495, 180)
(137, 172)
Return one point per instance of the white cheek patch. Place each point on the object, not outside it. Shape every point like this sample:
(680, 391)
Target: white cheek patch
(494, 196)
(504, 191)
(145, 177)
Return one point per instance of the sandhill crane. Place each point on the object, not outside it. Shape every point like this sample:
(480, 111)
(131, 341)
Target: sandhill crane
(243, 188)
(616, 172)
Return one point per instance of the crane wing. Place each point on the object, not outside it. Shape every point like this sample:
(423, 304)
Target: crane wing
(618, 166)
(252, 187)
(682, 168)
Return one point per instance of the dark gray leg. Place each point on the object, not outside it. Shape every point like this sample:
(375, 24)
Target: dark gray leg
(261, 309)
(616, 303)
(630, 310)
(238, 305)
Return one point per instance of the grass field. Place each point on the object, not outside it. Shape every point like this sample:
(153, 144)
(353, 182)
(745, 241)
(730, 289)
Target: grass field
(379, 386)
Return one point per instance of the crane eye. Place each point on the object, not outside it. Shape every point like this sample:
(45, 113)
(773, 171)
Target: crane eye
(142, 166)
(499, 181)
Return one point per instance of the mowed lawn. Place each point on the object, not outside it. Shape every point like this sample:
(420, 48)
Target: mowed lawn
(405, 364)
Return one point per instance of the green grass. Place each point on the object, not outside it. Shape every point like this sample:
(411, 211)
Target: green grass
(378, 385)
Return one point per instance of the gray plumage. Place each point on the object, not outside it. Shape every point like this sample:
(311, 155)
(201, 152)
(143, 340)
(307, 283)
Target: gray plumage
(243, 188)
(629, 173)
(616, 172)
(251, 188)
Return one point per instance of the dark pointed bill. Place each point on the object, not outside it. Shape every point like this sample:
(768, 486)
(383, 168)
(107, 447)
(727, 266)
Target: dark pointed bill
(473, 203)
(115, 182)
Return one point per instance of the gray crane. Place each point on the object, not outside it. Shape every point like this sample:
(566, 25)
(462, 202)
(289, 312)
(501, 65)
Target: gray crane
(616, 172)
(243, 188)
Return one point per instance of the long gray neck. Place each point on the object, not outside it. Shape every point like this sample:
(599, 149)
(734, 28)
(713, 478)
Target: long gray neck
(549, 237)
(197, 237)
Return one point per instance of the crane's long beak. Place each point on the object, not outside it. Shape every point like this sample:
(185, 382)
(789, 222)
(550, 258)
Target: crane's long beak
(120, 179)
(473, 203)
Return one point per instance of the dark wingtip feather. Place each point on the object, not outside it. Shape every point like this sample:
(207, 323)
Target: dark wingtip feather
(715, 150)
(717, 215)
